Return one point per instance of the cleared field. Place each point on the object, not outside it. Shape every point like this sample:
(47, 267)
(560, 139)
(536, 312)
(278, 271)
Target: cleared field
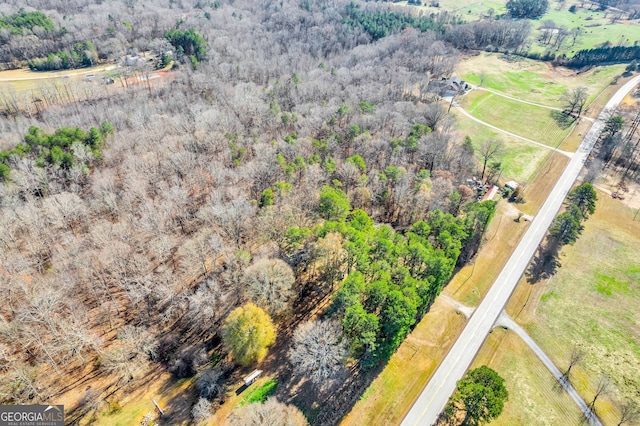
(596, 28)
(469, 10)
(533, 81)
(532, 122)
(592, 302)
(536, 192)
(520, 158)
(389, 396)
(534, 396)
(23, 79)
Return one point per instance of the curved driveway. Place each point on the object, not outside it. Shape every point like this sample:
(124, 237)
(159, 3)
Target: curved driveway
(442, 384)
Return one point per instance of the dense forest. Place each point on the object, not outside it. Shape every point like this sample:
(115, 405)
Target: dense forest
(295, 157)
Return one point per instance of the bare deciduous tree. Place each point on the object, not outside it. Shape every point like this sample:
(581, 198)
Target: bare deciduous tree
(269, 413)
(489, 150)
(319, 351)
(577, 354)
(269, 284)
(209, 383)
(574, 99)
(629, 413)
(201, 410)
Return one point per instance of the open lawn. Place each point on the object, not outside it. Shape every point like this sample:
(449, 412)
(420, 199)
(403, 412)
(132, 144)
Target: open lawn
(520, 158)
(24, 79)
(469, 10)
(534, 396)
(592, 302)
(596, 29)
(536, 192)
(533, 81)
(391, 394)
(540, 124)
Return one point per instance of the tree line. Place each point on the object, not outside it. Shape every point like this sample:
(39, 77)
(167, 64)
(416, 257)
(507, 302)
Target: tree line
(565, 229)
(602, 55)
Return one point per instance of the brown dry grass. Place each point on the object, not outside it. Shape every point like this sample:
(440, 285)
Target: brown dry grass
(595, 107)
(173, 396)
(573, 140)
(536, 192)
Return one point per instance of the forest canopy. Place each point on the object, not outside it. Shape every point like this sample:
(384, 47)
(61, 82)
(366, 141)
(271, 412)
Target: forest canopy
(309, 171)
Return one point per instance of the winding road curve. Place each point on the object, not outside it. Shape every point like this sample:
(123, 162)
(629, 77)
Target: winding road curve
(506, 321)
(442, 384)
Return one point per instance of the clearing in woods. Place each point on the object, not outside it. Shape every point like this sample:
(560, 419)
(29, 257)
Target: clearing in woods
(591, 302)
(533, 81)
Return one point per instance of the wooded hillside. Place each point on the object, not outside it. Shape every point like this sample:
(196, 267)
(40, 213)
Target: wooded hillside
(287, 160)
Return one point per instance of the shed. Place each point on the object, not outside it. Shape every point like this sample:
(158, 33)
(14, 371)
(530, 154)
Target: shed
(490, 193)
(512, 184)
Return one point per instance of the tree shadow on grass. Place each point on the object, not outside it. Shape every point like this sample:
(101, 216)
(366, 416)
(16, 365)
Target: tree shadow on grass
(544, 264)
(564, 121)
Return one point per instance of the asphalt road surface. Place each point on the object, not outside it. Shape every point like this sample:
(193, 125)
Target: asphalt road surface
(442, 384)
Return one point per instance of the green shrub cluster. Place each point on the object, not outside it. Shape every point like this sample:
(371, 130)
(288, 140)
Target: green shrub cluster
(26, 20)
(56, 149)
(80, 55)
(189, 42)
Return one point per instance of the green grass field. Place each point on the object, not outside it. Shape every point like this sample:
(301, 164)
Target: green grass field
(469, 10)
(532, 122)
(520, 159)
(592, 302)
(534, 397)
(596, 29)
(533, 81)
(260, 392)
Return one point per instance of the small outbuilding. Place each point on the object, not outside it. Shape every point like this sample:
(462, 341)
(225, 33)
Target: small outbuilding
(512, 184)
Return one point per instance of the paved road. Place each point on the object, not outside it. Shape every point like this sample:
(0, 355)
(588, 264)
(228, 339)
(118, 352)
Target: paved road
(442, 384)
(506, 321)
